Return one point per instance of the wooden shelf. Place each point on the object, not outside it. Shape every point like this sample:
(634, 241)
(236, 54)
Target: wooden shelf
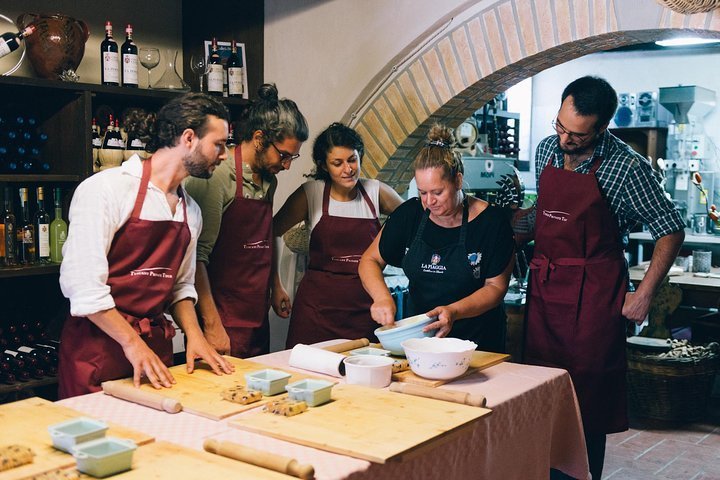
(35, 383)
(24, 271)
(40, 178)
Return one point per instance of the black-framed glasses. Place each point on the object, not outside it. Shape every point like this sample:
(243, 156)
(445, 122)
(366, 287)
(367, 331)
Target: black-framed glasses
(285, 157)
(560, 129)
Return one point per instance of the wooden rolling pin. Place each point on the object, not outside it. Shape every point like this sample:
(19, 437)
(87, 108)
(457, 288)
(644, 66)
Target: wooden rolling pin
(447, 395)
(135, 395)
(349, 345)
(278, 463)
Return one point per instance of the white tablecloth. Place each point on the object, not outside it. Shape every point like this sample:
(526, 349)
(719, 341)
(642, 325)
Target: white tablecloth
(535, 425)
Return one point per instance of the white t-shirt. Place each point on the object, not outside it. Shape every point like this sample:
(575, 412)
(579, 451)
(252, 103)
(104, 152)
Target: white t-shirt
(356, 208)
(100, 206)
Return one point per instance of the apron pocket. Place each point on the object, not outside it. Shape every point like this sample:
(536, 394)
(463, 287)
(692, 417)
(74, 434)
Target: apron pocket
(559, 299)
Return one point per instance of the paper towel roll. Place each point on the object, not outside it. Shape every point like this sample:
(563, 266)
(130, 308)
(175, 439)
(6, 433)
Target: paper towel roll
(317, 360)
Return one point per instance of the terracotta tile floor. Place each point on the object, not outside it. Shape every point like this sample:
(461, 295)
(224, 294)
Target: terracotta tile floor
(651, 452)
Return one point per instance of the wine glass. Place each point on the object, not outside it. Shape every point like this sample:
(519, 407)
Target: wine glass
(200, 66)
(149, 58)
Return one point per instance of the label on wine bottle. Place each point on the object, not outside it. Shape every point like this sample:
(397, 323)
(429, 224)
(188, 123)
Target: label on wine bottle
(235, 81)
(4, 47)
(43, 240)
(110, 67)
(215, 78)
(130, 69)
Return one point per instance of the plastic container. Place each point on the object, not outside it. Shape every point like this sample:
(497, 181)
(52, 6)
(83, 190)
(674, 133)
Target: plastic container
(312, 392)
(368, 370)
(269, 382)
(439, 358)
(391, 337)
(105, 456)
(67, 434)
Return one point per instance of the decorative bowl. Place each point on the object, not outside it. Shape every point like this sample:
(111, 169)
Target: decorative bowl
(369, 351)
(311, 391)
(105, 456)
(439, 358)
(368, 370)
(391, 336)
(268, 381)
(58, 44)
(67, 434)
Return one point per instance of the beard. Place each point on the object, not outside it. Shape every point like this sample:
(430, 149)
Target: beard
(576, 149)
(197, 165)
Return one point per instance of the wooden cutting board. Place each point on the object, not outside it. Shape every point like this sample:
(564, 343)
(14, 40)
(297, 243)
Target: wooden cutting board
(163, 460)
(371, 424)
(200, 392)
(480, 361)
(25, 422)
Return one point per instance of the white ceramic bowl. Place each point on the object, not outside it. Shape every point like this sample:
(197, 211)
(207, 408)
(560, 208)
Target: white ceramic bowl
(438, 358)
(368, 370)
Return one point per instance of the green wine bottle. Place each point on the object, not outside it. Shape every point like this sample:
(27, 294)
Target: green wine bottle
(58, 230)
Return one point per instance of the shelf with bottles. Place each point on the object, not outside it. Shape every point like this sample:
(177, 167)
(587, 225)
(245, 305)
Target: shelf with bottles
(498, 130)
(28, 359)
(32, 238)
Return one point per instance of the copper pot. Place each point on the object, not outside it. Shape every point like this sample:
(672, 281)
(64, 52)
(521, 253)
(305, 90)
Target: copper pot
(58, 43)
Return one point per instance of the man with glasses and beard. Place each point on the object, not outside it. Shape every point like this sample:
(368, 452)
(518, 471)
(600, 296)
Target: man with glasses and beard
(234, 255)
(592, 189)
(130, 254)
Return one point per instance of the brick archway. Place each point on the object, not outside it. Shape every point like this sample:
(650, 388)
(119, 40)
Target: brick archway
(488, 52)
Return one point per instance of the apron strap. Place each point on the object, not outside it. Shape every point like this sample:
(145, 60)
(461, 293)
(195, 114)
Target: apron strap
(144, 180)
(547, 265)
(463, 225)
(367, 199)
(238, 172)
(326, 198)
(596, 164)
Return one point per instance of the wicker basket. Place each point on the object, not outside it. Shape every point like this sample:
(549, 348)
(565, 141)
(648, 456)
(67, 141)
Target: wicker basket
(691, 6)
(670, 389)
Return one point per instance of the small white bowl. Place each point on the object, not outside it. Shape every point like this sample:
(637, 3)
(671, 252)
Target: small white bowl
(67, 434)
(269, 382)
(105, 456)
(438, 358)
(368, 370)
(369, 351)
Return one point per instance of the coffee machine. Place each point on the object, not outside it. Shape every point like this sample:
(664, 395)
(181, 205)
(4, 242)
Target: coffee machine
(690, 152)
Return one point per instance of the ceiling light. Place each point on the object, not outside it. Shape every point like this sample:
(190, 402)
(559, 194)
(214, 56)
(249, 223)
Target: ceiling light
(685, 41)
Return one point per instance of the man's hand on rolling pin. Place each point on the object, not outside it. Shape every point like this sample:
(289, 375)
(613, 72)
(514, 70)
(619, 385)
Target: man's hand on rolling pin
(445, 317)
(198, 347)
(383, 311)
(147, 364)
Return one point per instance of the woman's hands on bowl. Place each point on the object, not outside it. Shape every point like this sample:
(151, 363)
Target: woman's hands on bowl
(383, 311)
(444, 321)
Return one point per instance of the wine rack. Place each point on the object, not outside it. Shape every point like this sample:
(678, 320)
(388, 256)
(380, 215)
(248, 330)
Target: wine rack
(63, 112)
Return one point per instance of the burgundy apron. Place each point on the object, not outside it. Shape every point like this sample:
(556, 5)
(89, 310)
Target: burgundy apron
(331, 301)
(239, 271)
(577, 289)
(143, 263)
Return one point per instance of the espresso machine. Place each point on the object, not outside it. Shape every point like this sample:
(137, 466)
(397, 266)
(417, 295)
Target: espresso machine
(692, 171)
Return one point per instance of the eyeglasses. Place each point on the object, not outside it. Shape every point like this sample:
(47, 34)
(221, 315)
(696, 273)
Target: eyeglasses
(285, 157)
(560, 129)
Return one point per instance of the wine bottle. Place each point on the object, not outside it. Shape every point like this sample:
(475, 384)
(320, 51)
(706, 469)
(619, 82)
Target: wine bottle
(42, 229)
(27, 231)
(58, 230)
(129, 53)
(9, 42)
(7, 378)
(235, 72)
(8, 230)
(17, 366)
(109, 58)
(44, 362)
(216, 71)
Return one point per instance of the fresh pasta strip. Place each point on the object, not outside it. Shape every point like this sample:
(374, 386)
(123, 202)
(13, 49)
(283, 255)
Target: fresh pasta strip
(241, 395)
(285, 407)
(12, 456)
(58, 474)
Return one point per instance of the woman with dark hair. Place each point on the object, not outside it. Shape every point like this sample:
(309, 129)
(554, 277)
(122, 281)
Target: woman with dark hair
(342, 212)
(457, 252)
(234, 261)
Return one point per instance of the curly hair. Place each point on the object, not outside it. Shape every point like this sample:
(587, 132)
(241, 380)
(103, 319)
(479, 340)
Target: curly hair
(278, 119)
(163, 129)
(336, 135)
